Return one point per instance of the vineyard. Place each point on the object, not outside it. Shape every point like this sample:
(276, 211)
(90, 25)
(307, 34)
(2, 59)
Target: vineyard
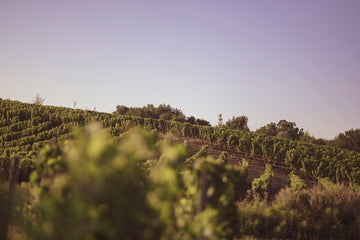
(117, 180)
(25, 128)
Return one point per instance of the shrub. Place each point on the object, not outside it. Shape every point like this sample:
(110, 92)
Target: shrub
(295, 182)
(325, 182)
(260, 186)
(330, 212)
(224, 157)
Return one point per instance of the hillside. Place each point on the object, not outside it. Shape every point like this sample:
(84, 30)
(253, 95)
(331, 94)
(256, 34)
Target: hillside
(256, 164)
(137, 184)
(25, 128)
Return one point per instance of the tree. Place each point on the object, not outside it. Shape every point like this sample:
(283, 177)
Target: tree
(163, 111)
(238, 123)
(348, 140)
(191, 120)
(289, 130)
(121, 109)
(269, 130)
(202, 122)
(283, 129)
(220, 120)
(311, 139)
(38, 100)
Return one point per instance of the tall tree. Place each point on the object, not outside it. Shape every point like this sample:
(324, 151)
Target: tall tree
(239, 123)
(220, 120)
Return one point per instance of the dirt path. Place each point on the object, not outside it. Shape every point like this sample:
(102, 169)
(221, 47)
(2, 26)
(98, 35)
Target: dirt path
(256, 165)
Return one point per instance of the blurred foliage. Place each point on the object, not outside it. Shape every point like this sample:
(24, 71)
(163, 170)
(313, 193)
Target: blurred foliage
(317, 213)
(94, 188)
(325, 182)
(224, 157)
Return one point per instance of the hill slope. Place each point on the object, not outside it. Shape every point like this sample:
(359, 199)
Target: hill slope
(25, 128)
(256, 165)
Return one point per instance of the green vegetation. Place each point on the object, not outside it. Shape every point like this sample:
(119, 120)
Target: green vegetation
(260, 186)
(94, 188)
(224, 157)
(349, 140)
(317, 213)
(283, 129)
(238, 123)
(163, 111)
(25, 128)
(295, 182)
(116, 180)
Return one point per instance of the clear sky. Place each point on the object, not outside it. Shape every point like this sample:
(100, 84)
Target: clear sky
(268, 60)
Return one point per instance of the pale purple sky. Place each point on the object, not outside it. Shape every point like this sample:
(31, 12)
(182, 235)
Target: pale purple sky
(268, 60)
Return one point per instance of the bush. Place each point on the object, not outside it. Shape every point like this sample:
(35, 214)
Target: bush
(295, 182)
(325, 182)
(330, 212)
(260, 186)
(224, 157)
